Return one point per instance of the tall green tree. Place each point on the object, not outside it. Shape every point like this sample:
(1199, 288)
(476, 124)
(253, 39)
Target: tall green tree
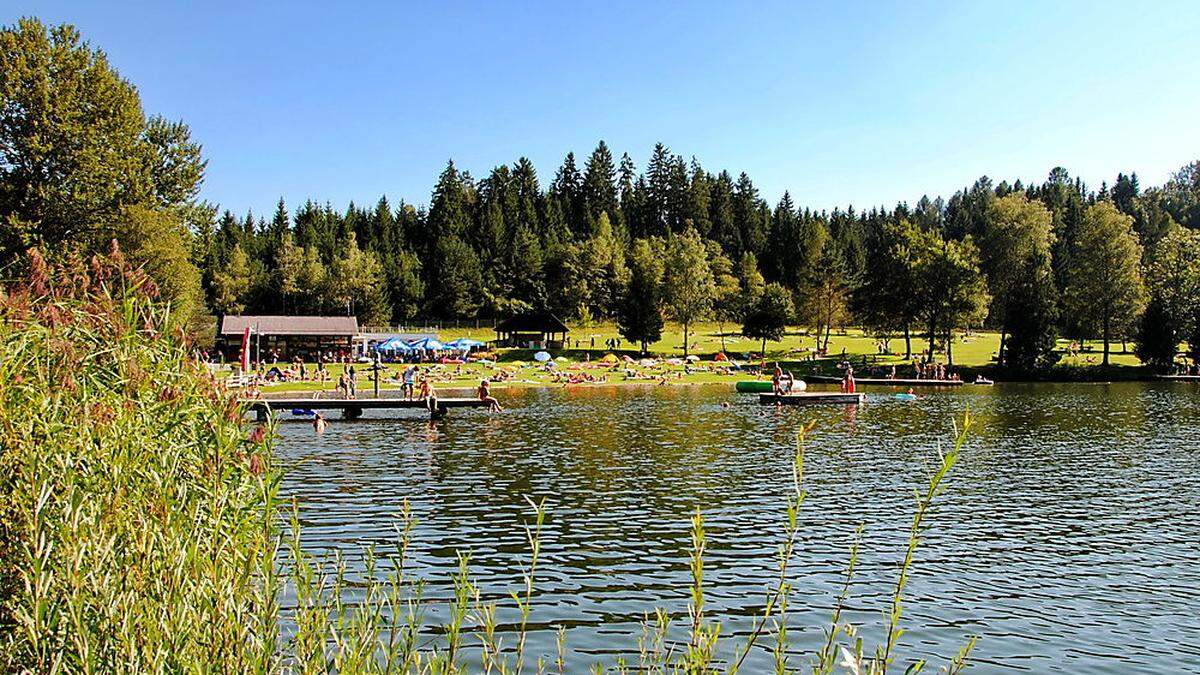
(727, 289)
(951, 290)
(81, 165)
(768, 318)
(688, 286)
(232, 283)
(456, 280)
(1015, 244)
(604, 258)
(289, 263)
(600, 184)
(889, 300)
(640, 319)
(1172, 274)
(1106, 293)
(826, 293)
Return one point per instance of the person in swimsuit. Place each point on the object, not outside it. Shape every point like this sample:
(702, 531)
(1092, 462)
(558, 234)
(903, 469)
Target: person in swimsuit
(485, 395)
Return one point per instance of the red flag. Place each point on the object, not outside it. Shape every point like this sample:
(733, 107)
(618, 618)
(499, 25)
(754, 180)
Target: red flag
(245, 358)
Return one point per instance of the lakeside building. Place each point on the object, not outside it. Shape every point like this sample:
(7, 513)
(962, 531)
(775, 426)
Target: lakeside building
(538, 330)
(289, 336)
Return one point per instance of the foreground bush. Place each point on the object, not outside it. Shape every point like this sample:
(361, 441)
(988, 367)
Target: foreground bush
(134, 524)
(140, 530)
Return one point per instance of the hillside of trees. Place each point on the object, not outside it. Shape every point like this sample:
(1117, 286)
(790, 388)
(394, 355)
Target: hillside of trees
(82, 165)
(603, 241)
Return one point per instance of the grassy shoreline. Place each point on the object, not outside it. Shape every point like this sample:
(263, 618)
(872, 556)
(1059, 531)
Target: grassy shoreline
(515, 368)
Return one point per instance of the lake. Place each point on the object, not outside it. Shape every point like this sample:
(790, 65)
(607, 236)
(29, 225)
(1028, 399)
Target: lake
(1067, 537)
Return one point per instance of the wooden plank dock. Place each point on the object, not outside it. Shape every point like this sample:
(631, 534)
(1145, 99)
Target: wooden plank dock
(886, 382)
(1180, 378)
(352, 408)
(811, 398)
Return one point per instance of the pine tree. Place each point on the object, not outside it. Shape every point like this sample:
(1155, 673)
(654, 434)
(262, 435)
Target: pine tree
(600, 184)
(448, 209)
(698, 200)
(748, 216)
(567, 188)
(455, 280)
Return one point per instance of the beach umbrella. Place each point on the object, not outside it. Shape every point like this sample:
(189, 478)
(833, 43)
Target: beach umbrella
(427, 343)
(464, 343)
(720, 357)
(541, 357)
(609, 358)
(693, 358)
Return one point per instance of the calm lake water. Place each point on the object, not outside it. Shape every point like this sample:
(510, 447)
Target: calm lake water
(1067, 539)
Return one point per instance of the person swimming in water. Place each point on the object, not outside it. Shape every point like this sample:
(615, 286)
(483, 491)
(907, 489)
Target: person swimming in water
(319, 423)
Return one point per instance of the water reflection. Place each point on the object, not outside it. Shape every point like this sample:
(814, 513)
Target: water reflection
(1066, 540)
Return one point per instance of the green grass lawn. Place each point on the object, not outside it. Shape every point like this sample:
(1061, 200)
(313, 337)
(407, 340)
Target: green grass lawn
(516, 367)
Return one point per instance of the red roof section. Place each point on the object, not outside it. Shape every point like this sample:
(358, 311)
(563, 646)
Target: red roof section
(290, 325)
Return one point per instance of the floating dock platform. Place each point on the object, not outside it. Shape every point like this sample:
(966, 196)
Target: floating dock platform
(352, 408)
(885, 382)
(812, 398)
(1180, 378)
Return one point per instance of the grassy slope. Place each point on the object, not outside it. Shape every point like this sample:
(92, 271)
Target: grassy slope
(971, 353)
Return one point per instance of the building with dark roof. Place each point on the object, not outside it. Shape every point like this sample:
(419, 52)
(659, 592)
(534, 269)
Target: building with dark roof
(289, 336)
(540, 330)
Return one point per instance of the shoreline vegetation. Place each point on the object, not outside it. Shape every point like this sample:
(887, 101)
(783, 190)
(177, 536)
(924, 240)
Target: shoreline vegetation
(152, 536)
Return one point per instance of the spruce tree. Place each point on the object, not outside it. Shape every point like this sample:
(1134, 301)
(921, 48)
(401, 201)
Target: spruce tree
(600, 184)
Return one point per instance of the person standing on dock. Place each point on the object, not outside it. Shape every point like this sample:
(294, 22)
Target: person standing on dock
(410, 376)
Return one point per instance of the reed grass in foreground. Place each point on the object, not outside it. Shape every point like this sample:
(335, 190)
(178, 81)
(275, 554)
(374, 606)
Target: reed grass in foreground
(141, 529)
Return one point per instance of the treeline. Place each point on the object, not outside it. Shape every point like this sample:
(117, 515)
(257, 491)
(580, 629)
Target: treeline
(81, 165)
(605, 241)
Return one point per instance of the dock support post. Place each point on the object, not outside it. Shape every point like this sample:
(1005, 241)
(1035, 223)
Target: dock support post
(262, 413)
(351, 412)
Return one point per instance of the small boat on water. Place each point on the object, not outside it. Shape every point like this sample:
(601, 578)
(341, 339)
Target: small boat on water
(811, 397)
(765, 386)
(982, 381)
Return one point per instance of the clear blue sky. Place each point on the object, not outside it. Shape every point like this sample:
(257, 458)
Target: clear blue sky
(869, 104)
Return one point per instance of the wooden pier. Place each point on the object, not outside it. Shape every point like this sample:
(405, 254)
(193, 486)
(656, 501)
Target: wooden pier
(1180, 378)
(886, 382)
(352, 408)
(811, 398)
